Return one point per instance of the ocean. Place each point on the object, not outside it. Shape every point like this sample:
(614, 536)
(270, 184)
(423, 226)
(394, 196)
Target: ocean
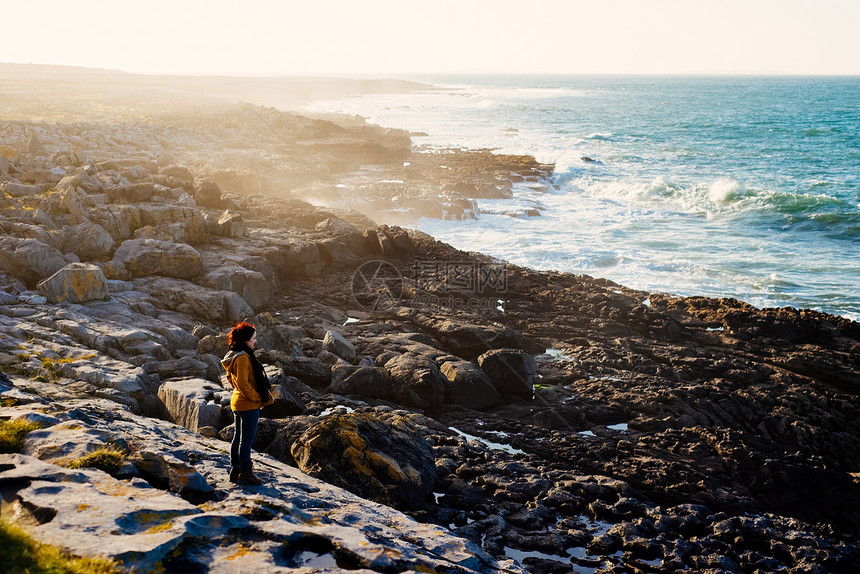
(745, 187)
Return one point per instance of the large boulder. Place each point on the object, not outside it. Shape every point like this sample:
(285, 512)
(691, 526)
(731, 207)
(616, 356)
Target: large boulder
(286, 402)
(244, 182)
(339, 250)
(119, 221)
(334, 342)
(388, 241)
(382, 459)
(366, 381)
(230, 224)
(75, 283)
(180, 172)
(470, 340)
(167, 232)
(207, 194)
(19, 189)
(49, 237)
(35, 146)
(142, 257)
(89, 241)
(468, 385)
(192, 219)
(74, 203)
(135, 193)
(191, 403)
(308, 370)
(252, 286)
(213, 344)
(299, 257)
(197, 301)
(29, 259)
(511, 371)
(80, 178)
(416, 381)
(271, 335)
(184, 367)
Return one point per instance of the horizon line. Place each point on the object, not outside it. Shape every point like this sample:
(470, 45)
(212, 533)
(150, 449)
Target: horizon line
(388, 74)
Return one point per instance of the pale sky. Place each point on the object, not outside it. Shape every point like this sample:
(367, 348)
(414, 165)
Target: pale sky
(332, 37)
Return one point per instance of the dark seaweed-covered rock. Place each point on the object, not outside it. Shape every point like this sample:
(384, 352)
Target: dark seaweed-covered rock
(416, 381)
(511, 371)
(367, 381)
(468, 385)
(385, 460)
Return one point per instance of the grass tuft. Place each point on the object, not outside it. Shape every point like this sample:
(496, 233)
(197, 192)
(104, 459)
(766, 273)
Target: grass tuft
(108, 459)
(20, 554)
(12, 434)
(53, 370)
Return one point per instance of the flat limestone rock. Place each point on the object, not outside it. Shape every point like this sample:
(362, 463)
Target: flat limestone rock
(140, 531)
(190, 403)
(251, 285)
(89, 241)
(75, 283)
(65, 441)
(17, 467)
(91, 513)
(29, 259)
(143, 257)
(195, 300)
(19, 189)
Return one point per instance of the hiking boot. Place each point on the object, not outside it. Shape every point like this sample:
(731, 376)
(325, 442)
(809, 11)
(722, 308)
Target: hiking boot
(235, 471)
(247, 477)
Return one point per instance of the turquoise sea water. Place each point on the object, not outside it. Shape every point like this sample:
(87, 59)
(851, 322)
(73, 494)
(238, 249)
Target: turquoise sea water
(721, 186)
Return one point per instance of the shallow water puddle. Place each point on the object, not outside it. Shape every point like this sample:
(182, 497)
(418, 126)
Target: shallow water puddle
(309, 558)
(558, 355)
(488, 443)
(331, 410)
(520, 555)
(618, 427)
(594, 378)
(594, 527)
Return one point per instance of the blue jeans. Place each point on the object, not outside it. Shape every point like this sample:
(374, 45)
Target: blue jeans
(243, 437)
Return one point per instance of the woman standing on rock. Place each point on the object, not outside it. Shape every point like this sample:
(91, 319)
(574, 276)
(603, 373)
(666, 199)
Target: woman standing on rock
(250, 394)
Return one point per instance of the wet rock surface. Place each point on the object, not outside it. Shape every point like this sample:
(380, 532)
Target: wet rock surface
(548, 421)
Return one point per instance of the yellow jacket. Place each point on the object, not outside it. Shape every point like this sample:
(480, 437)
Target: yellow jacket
(240, 374)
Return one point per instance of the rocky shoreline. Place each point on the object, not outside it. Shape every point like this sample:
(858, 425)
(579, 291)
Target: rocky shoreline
(499, 418)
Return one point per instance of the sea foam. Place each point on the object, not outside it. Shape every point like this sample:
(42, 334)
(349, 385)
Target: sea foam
(726, 189)
(705, 186)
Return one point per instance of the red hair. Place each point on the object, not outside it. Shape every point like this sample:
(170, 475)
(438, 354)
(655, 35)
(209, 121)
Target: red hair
(241, 334)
